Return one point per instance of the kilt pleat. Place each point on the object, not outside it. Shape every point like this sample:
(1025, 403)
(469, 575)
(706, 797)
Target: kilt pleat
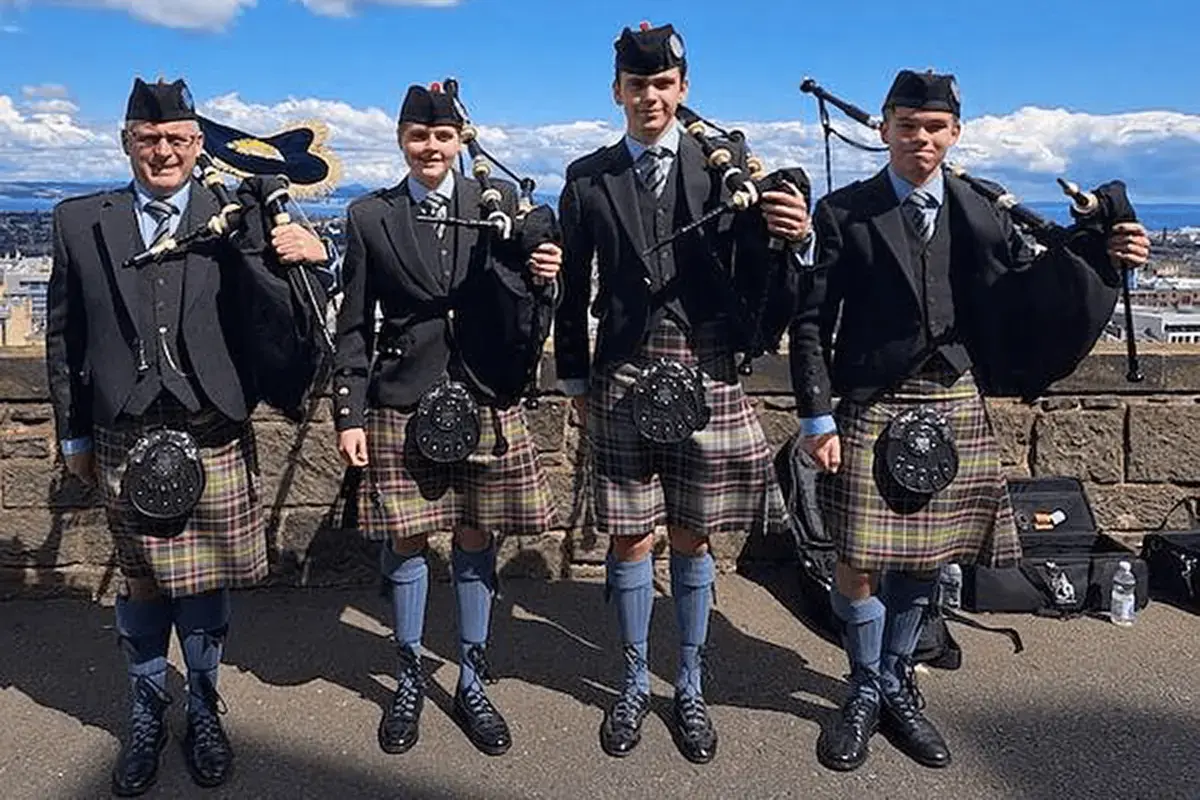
(223, 544)
(877, 525)
(719, 480)
(407, 494)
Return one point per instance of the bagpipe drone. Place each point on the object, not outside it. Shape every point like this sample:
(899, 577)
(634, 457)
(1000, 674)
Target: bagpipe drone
(763, 278)
(1047, 317)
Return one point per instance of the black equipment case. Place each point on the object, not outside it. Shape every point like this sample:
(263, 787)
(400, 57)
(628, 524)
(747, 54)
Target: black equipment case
(1067, 566)
(1173, 558)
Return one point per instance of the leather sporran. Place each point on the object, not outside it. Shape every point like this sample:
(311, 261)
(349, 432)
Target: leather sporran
(668, 402)
(920, 450)
(164, 480)
(446, 426)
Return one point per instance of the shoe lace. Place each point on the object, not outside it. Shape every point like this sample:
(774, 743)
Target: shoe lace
(410, 685)
(477, 658)
(693, 712)
(909, 702)
(146, 721)
(628, 707)
(206, 724)
(858, 710)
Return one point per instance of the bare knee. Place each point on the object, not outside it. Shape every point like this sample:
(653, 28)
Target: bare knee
(471, 540)
(854, 584)
(632, 548)
(409, 545)
(142, 589)
(684, 542)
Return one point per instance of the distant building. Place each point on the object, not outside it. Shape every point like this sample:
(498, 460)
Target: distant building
(1157, 324)
(24, 282)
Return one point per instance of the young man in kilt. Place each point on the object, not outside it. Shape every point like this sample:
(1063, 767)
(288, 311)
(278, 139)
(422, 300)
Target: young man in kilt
(670, 305)
(421, 275)
(133, 348)
(901, 260)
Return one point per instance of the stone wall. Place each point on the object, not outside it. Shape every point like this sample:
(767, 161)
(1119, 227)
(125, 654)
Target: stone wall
(1136, 447)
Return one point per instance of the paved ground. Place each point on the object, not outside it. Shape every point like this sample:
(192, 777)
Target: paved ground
(1087, 711)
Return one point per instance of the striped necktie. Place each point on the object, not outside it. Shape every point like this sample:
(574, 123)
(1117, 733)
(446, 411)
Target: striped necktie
(921, 209)
(161, 211)
(652, 169)
(434, 205)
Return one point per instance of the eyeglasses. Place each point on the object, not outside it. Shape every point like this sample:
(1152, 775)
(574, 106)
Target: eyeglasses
(177, 142)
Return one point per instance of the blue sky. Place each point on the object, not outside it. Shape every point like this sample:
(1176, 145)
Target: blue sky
(530, 63)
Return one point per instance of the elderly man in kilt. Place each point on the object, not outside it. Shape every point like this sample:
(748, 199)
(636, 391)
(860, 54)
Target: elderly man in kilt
(902, 259)
(665, 306)
(134, 349)
(421, 275)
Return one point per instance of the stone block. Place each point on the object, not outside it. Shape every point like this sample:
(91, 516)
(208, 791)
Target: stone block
(41, 538)
(1164, 443)
(299, 467)
(22, 445)
(1089, 445)
(1012, 424)
(78, 582)
(542, 557)
(43, 484)
(31, 413)
(571, 496)
(547, 424)
(778, 425)
(1135, 506)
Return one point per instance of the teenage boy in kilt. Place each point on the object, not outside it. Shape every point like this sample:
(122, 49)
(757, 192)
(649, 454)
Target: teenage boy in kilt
(130, 349)
(616, 202)
(420, 275)
(901, 257)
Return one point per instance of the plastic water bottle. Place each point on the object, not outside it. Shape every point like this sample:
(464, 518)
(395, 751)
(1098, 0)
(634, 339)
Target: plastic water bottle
(1124, 596)
(951, 580)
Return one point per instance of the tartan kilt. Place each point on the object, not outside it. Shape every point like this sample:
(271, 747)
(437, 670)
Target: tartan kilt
(877, 526)
(223, 544)
(719, 480)
(407, 494)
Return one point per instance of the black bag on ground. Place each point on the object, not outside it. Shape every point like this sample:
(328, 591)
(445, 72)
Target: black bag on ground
(1067, 565)
(1173, 560)
(797, 475)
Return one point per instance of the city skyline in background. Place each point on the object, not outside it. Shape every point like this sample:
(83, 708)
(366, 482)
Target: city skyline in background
(1055, 98)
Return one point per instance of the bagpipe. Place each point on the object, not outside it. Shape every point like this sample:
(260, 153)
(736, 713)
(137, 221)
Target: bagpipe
(762, 281)
(1047, 317)
(288, 343)
(514, 306)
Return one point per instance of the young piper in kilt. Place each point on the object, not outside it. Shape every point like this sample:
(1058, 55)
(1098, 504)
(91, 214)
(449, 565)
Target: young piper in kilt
(617, 201)
(901, 259)
(130, 349)
(420, 275)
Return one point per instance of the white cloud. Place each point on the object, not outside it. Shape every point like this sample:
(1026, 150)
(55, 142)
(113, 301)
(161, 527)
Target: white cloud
(344, 8)
(1157, 153)
(211, 15)
(46, 90)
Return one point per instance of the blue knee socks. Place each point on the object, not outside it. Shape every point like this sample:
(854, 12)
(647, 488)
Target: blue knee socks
(862, 638)
(474, 588)
(691, 587)
(906, 599)
(408, 578)
(202, 622)
(144, 627)
(632, 585)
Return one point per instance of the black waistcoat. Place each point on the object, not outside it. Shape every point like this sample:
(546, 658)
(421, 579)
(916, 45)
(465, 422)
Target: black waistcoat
(687, 293)
(932, 262)
(163, 364)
